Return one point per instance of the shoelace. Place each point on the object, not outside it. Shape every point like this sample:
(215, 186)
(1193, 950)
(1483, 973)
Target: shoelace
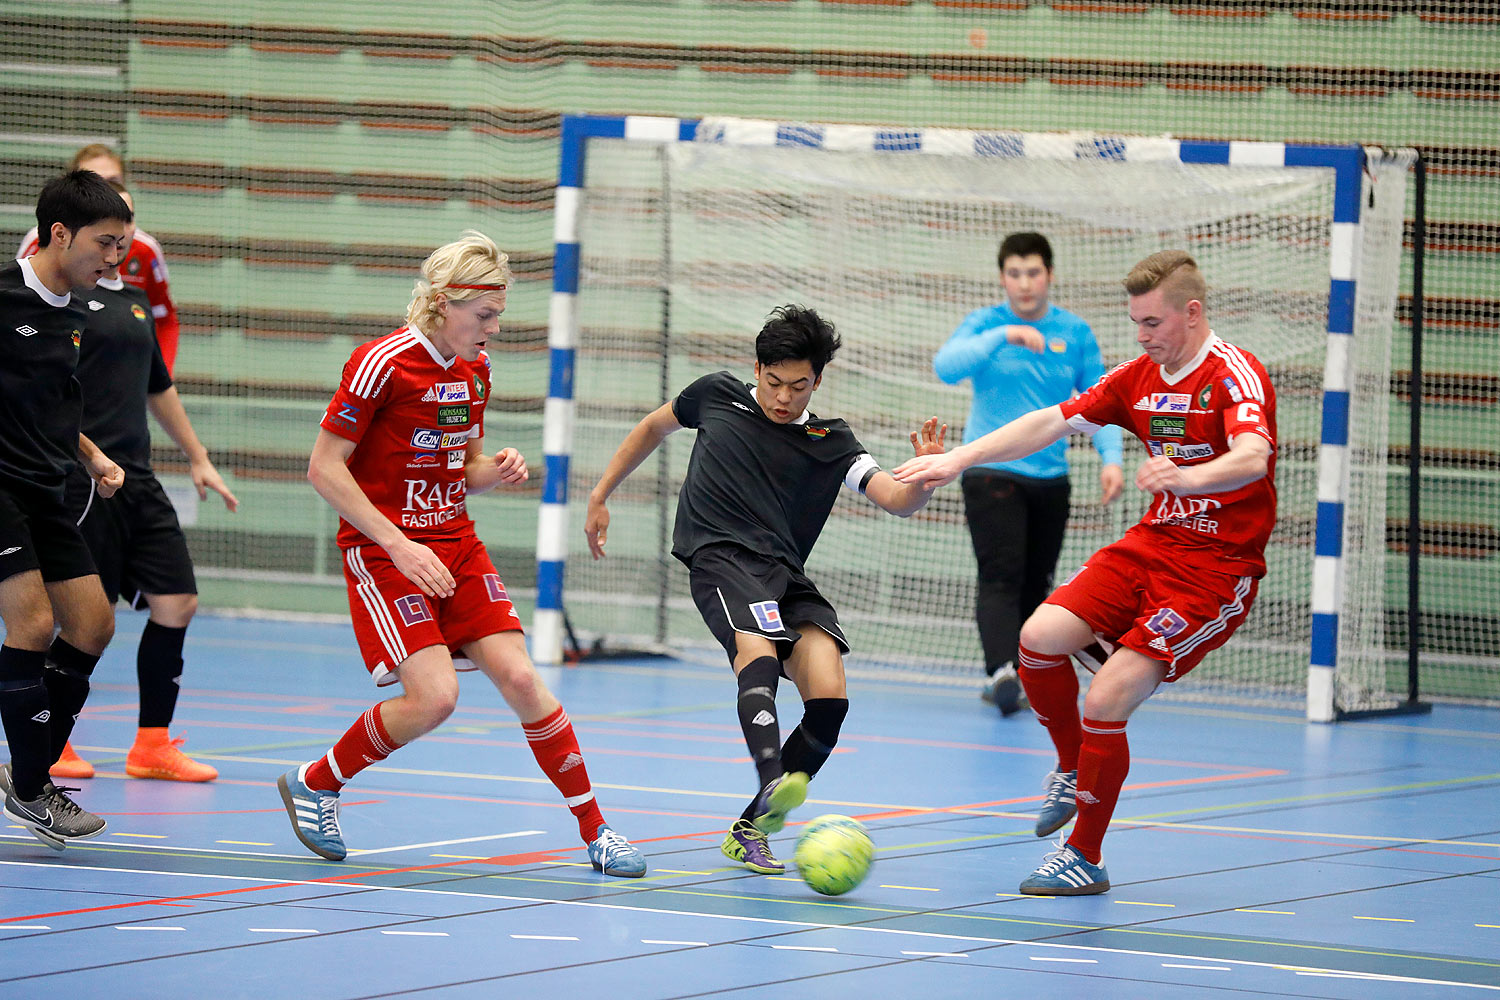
(58, 801)
(611, 844)
(328, 814)
(1057, 860)
(1058, 785)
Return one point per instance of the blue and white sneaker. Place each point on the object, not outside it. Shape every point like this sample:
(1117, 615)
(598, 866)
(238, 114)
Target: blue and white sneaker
(1065, 872)
(777, 799)
(612, 854)
(314, 815)
(1061, 803)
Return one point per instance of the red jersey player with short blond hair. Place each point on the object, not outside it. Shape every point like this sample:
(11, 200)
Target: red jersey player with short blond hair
(1179, 583)
(398, 455)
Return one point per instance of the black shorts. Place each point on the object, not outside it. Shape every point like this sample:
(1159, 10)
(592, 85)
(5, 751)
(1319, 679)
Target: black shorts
(37, 533)
(135, 539)
(737, 590)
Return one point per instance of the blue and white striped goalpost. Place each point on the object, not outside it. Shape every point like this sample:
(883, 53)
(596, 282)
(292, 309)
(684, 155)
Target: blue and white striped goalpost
(1346, 163)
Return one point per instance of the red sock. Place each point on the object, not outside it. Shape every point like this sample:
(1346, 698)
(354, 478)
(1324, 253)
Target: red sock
(1051, 686)
(364, 744)
(556, 750)
(1102, 765)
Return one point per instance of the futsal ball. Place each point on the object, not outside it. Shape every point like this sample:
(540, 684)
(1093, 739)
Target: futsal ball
(834, 854)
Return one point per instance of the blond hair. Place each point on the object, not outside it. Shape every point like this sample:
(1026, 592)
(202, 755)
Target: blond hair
(467, 268)
(93, 151)
(1174, 272)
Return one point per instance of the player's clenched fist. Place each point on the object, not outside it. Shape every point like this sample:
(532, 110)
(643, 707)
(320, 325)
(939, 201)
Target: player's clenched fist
(511, 466)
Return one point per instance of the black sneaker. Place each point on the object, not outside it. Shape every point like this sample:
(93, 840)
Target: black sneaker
(1004, 691)
(53, 818)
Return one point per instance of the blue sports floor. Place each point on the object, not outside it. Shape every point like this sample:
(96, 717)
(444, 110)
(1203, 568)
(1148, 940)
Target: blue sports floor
(1252, 854)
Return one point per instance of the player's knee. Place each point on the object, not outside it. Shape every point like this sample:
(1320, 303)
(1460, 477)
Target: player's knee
(519, 683)
(173, 610)
(436, 703)
(1047, 631)
(822, 719)
(94, 629)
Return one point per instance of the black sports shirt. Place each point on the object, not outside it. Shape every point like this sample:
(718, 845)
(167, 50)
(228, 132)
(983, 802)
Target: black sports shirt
(766, 486)
(40, 401)
(120, 365)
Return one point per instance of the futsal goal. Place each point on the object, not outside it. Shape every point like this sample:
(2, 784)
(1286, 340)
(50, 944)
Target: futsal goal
(675, 238)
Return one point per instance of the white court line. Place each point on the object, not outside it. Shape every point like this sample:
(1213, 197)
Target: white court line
(24, 927)
(174, 847)
(446, 843)
(685, 944)
(936, 954)
(542, 937)
(282, 930)
(416, 933)
(1201, 968)
(740, 918)
(800, 947)
(1080, 961)
(135, 927)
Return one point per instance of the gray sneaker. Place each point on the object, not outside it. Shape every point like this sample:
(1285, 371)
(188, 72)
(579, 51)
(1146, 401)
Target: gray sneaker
(1004, 691)
(1061, 803)
(52, 818)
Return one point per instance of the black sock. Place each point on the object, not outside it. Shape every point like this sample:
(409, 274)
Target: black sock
(158, 669)
(24, 712)
(757, 712)
(815, 737)
(67, 680)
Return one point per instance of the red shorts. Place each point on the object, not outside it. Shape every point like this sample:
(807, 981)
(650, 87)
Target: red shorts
(1143, 596)
(393, 619)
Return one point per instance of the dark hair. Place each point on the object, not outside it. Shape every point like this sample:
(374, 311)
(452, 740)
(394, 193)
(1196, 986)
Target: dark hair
(1024, 245)
(76, 199)
(796, 333)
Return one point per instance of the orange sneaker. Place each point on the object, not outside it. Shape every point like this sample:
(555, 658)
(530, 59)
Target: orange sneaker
(70, 765)
(156, 756)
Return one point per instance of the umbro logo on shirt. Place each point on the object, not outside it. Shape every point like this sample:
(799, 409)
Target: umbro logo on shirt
(95, 305)
(741, 406)
(10, 551)
(26, 331)
(42, 716)
(763, 718)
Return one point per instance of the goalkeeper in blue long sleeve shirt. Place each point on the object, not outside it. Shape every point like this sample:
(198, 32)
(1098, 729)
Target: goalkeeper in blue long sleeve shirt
(1021, 355)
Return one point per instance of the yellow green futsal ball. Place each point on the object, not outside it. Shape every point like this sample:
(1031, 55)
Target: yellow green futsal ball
(834, 854)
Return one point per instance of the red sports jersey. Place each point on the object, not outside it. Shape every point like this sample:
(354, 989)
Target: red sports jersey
(411, 416)
(145, 268)
(1192, 417)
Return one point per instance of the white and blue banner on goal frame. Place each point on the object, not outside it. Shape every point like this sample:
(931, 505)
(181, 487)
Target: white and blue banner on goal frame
(1346, 163)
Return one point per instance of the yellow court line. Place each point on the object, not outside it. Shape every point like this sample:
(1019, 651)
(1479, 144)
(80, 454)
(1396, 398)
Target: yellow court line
(461, 857)
(911, 888)
(1492, 926)
(683, 871)
(143, 836)
(1131, 902)
(1392, 920)
(1021, 895)
(246, 843)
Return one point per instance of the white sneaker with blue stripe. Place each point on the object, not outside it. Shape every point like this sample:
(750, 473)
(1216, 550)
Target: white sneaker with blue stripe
(1065, 872)
(612, 854)
(314, 815)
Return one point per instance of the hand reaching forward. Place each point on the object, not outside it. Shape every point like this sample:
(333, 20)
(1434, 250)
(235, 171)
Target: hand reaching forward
(929, 440)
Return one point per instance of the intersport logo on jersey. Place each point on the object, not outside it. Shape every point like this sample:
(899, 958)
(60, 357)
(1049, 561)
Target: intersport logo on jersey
(447, 392)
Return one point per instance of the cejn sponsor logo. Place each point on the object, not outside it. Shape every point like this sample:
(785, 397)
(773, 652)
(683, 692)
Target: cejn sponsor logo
(430, 439)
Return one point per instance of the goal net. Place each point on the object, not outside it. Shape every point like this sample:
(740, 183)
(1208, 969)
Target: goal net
(686, 246)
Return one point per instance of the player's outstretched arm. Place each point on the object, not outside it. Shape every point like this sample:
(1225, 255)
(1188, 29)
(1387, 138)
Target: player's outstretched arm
(643, 439)
(1247, 460)
(166, 407)
(1022, 436)
(905, 499)
(484, 472)
(328, 471)
(101, 468)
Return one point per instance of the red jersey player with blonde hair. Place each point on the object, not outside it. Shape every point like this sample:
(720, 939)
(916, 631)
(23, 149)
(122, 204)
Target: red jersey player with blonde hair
(1179, 583)
(398, 455)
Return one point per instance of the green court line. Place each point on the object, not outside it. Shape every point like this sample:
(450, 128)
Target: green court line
(1321, 796)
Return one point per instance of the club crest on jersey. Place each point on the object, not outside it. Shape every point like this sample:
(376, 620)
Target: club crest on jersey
(1233, 390)
(1057, 345)
(447, 392)
(77, 337)
(413, 609)
(1204, 395)
(138, 313)
(817, 433)
(495, 588)
(1168, 427)
(767, 615)
(479, 388)
(133, 266)
(1170, 402)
